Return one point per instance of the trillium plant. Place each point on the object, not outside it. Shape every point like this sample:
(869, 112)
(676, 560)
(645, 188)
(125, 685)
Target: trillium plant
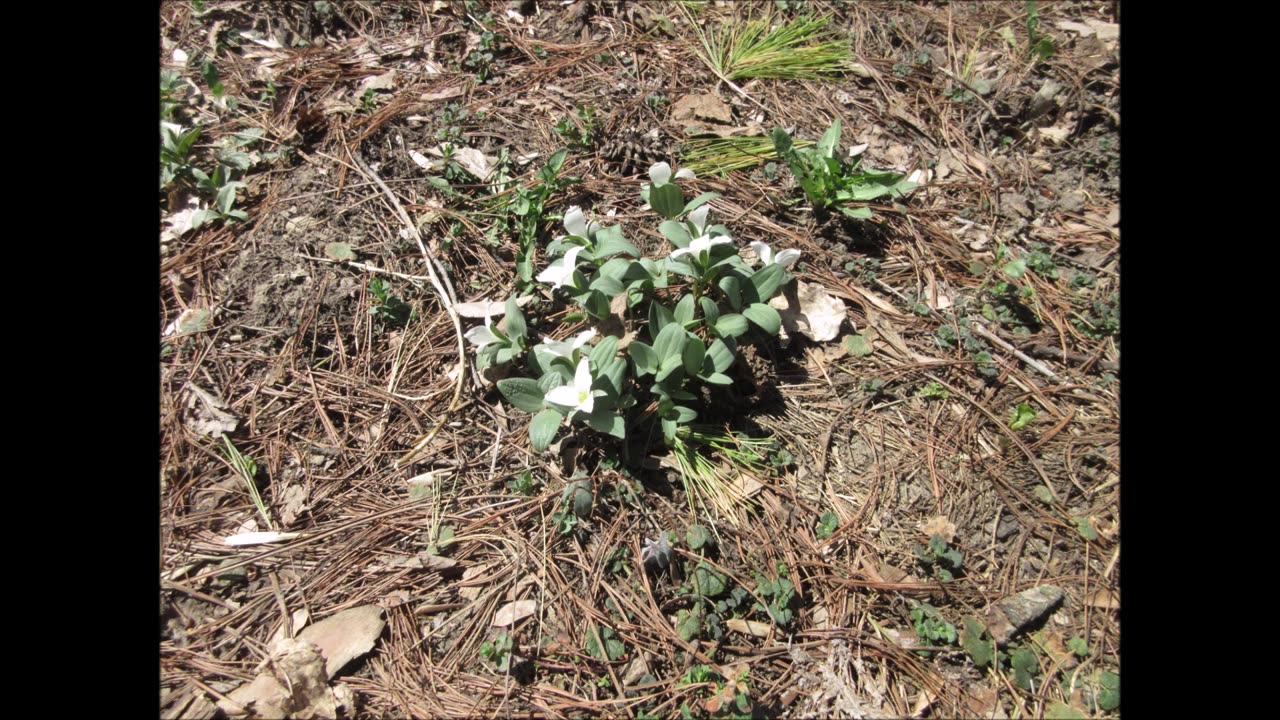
(656, 328)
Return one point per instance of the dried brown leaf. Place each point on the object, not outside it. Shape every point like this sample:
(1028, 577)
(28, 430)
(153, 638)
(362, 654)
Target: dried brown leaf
(514, 612)
(345, 636)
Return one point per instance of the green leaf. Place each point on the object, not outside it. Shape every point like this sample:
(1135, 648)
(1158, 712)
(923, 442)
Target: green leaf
(1015, 268)
(857, 345)
(732, 287)
(764, 316)
(617, 269)
(719, 379)
(609, 241)
(700, 200)
(1109, 697)
(1061, 710)
(693, 353)
(1025, 666)
(613, 647)
(1021, 416)
(709, 310)
(523, 393)
(731, 325)
(1085, 528)
(682, 414)
(543, 428)
(646, 361)
(697, 536)
(861, 213)
(608, 422)
(684, 310)
(722, 353)
(596, 304)
(765, 283)
(339, 251)
(707, 582)
(668, 200)
(516, 328)
(827, 145)
(659, 318)
(607, 285)
(982, 651)
(689, 623)
(676, 233)
(670, 344)
(604, 351)
(1079, 646)
(781, 141)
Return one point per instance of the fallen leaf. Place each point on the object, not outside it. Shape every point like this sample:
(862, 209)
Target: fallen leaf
(749, 627)
(421, 561)
(205, 414)
(385, 81)
(191, 320)
(452, 91)
(807, 308)
(345, 636)
(1104, 599)
(293, 504)
(1055, 134)
(178, 223)
(514, 612)
(298, 619)
(856, 345)
(703, 106)
(474, 162)
(339, 251)
(291, 684)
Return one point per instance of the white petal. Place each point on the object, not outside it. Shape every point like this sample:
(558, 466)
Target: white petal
(480, 336)
(582, 376)
(681, 251)
(589, 404)
(699, 218)
(763, 251)
(857, 150)
(554, 274)
(566, 395)
(685, 173)
(583, 338)
(660, 173)
(787, 258)
(719, 240)
(574, 222)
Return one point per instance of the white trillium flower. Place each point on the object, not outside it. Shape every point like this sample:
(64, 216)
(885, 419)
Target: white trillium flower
(576, 223)
(560, 273)
(578, 395)
(701, 245)
(482, 335)
(699, 218)
(786, 258)
(565, 348)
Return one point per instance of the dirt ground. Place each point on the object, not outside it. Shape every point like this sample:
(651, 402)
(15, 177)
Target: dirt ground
(935, 531)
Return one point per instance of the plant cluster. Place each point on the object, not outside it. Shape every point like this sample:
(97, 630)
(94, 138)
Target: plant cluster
(579, 135)
(940, 558)
(830, 183)
(695, 304)
(387, 307)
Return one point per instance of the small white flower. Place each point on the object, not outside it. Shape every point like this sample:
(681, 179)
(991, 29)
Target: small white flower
(699, 218)
(482, 335)
(576, 224)
(578, 395)
(701, 245)
(560, 273)
(660, 173)
(565, 348)
(786, 258)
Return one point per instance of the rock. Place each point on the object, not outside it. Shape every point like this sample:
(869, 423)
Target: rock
(1015, 613)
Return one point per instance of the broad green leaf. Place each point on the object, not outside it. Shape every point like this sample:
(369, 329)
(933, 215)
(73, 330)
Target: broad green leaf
(731, 325)
(607, 285)
(644, 358)
(765, 283)
(608, 422)
(709, 310)
(693, 353)
(860, 213)
(617, 268)
(542, 430)
(982, 651)
(516, 329)
(613, 373)
(689, 623)
(596, 305)
(522, 392)
(1021, 416)
(553, 378)
(732, 287)
(1016, 268)
(604, 350)
(556, 162)
(659, 318)
(669, 343)
(718, 379)
(684, 310)
(675, 232)
(764, 316)
(1109, 696)
(682, 414)
(667, 199)
(722, 353)
(695, 203)
(609, 241)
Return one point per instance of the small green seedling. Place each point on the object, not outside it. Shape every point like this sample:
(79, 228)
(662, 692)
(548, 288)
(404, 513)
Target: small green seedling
(931, 627)
(388, 308)
(831, 184)
(499, 651)
(827, 525)
(1021, 416)
(940, 559)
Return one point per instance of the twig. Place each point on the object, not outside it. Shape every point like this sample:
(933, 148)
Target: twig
(446, 297)
(1034, 364)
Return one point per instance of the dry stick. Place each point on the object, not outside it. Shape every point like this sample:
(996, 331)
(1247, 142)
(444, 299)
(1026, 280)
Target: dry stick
(1034, 364)
(446, 299)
